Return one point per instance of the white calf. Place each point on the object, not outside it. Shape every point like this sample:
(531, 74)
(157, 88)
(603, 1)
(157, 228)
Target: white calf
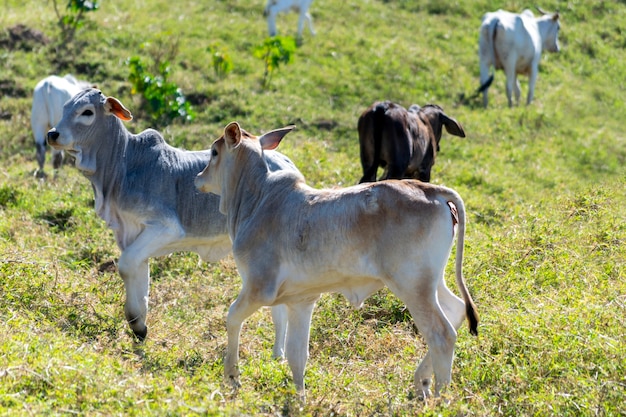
(292, 242)
(49, 96)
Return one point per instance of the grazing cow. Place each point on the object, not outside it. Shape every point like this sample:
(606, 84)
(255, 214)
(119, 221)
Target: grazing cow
(274, 7)
(514, 42)
(403, 142)
(292, 242)
(144, 190)
(49, 96)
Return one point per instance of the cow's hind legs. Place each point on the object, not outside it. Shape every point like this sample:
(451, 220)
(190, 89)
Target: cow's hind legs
(454, 309)
(439, 334)
(41, 159)
(423, 377)
(440, 337)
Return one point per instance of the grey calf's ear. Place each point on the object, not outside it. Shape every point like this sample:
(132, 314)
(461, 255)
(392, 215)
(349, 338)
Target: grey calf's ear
(271, 139)
(116, 108)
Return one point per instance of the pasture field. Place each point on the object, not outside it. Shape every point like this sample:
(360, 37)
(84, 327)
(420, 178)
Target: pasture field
(544, 187)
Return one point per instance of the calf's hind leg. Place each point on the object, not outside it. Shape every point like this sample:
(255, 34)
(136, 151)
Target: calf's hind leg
(454, 309)
(439, 334)
(440, 337)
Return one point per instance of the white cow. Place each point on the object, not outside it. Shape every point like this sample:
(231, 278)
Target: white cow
(292, 242)
(274, 7)
(514, 42)
(49, 96)
(144, 190)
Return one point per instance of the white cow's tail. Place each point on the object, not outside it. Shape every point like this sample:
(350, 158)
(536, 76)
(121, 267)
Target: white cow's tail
(470, 309)
(484, 85)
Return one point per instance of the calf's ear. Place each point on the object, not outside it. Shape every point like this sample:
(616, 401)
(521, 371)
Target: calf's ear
(232, 135)
(116, 108)
(452, 126)
(271, 139)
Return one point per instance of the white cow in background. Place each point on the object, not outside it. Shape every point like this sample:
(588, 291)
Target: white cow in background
(49, 96)
(514, 42)
(274, 7)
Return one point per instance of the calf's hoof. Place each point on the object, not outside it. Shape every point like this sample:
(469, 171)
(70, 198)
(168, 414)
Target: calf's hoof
(141, 334)
(423, 391)
(233, 382)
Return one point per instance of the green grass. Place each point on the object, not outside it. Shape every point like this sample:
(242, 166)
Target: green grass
(544, 187)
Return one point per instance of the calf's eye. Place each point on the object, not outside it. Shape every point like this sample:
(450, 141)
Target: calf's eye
(87, 113)
(213, 152)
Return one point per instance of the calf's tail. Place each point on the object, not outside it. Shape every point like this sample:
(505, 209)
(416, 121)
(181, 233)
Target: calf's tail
(379, 120)
(470, 309)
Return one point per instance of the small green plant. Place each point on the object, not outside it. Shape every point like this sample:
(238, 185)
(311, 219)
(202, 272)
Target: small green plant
(164, 100)
(9, 196)
(275, 51)
(222, 63)
(74, 17)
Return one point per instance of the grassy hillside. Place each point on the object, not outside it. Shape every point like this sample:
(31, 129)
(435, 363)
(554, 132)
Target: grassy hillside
(543, 185)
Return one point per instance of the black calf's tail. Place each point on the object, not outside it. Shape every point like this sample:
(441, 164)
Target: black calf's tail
(379, 121)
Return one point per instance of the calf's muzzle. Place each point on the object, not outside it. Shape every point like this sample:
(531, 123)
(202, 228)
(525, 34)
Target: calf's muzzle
(53, 135)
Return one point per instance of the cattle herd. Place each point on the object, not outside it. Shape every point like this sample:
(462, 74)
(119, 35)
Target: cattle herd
(291, 242)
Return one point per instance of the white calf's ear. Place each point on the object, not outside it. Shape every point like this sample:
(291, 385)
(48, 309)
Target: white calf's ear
(116, 108)
(271, 139)
(232, 135)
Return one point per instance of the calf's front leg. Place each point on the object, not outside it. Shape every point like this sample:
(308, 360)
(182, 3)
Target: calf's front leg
(136, 276)
(135, 271)
(239, 310)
